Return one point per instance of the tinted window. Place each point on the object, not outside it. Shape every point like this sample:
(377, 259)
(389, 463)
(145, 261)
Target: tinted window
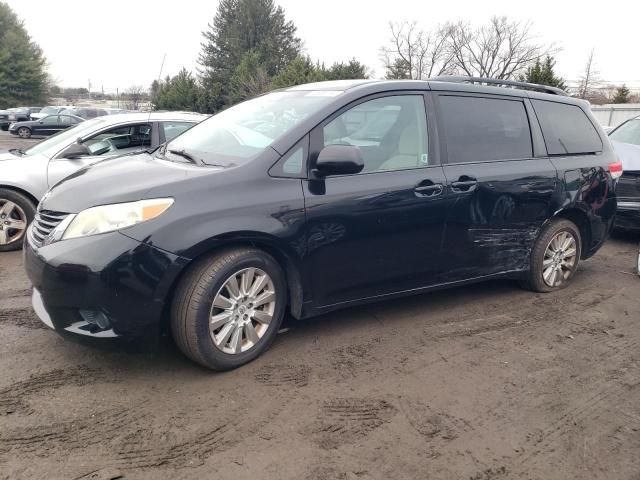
(480, 129)
(566, 128)
(50, 120)
(391, 132)
(628, 132)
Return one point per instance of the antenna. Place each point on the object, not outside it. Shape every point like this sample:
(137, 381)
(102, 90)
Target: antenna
(159, 77)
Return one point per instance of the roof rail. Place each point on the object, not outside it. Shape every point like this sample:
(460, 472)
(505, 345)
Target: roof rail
(495, 81)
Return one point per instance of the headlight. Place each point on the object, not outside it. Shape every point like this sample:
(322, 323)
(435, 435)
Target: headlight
(107, 218)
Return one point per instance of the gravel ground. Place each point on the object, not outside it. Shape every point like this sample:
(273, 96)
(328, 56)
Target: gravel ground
(481, 382)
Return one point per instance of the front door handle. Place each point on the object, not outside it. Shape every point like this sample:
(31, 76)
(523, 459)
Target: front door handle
(431, 190)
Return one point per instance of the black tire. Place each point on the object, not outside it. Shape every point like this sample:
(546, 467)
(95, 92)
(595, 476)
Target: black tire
(194, 296)
(29, 209)
(26, 132)
(5, 128)
(534, 279)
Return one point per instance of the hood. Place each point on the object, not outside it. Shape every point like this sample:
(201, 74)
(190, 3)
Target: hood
(629, 155)
(116, 180)
(8, 156)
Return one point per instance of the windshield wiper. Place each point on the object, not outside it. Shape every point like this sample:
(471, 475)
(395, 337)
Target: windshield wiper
(18, 151)
(191, 158)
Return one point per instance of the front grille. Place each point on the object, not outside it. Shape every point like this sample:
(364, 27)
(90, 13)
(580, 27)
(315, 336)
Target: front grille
(44, 223)
(628, 186)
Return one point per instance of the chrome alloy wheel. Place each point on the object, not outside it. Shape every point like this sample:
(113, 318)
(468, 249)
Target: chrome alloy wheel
(13, 222)
(24, 132)
(242, 310)
(560, 259)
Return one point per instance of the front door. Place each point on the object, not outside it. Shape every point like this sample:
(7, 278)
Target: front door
(379, 231)
(500, 189)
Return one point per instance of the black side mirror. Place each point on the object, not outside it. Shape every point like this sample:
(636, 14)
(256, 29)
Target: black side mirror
(76, 150)
(339, 160)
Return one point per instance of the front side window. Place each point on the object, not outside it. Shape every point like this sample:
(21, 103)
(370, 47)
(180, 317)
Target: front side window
(628, 132)
(566, 128)
(479, 129)
(390, 131)
(243, 131)
(121, 139)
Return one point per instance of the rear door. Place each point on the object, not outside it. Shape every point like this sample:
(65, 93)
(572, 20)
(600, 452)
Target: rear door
(379, 231)
(499, 181)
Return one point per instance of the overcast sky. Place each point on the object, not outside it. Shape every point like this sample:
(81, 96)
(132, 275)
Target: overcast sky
(122, 43)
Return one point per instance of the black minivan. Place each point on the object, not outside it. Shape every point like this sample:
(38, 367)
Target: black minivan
(321, 196)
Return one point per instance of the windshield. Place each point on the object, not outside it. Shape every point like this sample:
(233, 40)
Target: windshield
(243, 131)
(49, 110)
(627, 133)
(55, 143)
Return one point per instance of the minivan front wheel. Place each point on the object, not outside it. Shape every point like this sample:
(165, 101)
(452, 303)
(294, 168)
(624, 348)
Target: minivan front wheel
(16, 213)
(228, 308)
(555, 257)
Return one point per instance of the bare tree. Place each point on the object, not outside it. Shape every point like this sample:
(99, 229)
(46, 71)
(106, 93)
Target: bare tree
(134, 95)
(500, 49)
(416, 54)
(590, 77)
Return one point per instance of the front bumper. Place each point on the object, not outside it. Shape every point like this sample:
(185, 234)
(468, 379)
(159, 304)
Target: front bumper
(628, 215)
(111, 275)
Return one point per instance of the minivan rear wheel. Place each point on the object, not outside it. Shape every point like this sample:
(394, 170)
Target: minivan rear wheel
(228, 308)
(555, 257)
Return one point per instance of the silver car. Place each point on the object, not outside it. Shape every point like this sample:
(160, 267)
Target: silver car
(25, 176)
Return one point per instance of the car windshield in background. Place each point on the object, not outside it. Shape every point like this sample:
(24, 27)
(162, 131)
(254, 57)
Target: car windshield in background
(243, 131)
(627, 133)
(49, 110)
(57, 141)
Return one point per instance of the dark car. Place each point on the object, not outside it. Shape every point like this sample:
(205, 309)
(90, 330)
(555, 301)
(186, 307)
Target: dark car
(85, 112)
(45, 126)
(317, 197)
(19, 114)
(626, 142)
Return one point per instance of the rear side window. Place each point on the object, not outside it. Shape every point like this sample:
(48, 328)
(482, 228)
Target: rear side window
(482, 129)
(566, 128)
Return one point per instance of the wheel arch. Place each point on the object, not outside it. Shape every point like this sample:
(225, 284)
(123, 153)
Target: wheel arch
(581, 220)
(21, 191)
(285, 260)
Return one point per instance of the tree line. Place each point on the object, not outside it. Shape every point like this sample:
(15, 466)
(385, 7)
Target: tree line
(250, 47)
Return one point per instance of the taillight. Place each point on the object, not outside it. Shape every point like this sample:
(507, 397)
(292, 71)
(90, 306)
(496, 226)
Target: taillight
(615, 169)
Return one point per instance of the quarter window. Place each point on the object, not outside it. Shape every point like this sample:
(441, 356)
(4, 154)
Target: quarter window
(391, 132)
(173, 129)
(482, 129)
(566, 128)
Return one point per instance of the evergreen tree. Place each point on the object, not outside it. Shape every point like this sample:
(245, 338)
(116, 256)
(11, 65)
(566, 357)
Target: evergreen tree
(621, 95)
(353, 69)
(178, 93)
(249, 79)
(542, 73)
(300, 70)
(23, 79)
(241, 26)
(398, 70)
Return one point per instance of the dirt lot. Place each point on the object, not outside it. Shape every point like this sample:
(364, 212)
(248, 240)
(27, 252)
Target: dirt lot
(482, 382)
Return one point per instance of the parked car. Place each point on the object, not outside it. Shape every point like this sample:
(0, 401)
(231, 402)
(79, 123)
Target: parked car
(85, 112)
(18, 114)
(45, 126)
(626, 142)
(26, 175)
(268, 207)
(49, 110)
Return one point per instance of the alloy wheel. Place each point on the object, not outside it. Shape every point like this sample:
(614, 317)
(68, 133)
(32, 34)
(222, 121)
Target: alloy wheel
(13, 222)
(24, 132)
(560, 259)
(242, 310)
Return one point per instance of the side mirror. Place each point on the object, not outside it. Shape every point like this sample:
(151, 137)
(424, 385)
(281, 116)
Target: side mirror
(76, 150)
(339, 160)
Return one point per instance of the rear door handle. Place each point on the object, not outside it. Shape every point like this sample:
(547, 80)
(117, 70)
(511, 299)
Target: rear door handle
(464, 185)
(429, 190)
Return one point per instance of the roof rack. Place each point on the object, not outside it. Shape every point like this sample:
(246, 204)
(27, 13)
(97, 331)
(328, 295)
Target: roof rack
(494, 81)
